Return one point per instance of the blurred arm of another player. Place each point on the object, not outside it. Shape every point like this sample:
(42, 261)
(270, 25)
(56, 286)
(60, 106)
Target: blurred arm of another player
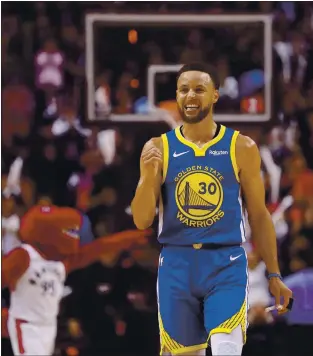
(14, 265)
(114, 243)
(148, 190)
(262, 228)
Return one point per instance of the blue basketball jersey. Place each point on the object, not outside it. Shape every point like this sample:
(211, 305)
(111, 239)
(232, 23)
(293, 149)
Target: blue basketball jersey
(200, 196)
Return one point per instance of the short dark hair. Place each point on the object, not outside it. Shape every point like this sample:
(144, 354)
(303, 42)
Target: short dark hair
(202, 67)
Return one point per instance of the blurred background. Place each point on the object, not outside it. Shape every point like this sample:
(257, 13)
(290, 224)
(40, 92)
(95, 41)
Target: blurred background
(74, 139)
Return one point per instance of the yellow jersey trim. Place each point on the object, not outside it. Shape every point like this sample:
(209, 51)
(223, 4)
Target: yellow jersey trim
(165, 156)
(200, 152)
(170, 345)
(233, 155)
(230, 324)
(188, 349)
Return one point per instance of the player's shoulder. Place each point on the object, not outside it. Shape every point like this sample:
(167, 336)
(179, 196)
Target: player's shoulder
(14, 265)
(154, 141)
(247, 153)
(17, 255)
(17, 251)
(245, 144)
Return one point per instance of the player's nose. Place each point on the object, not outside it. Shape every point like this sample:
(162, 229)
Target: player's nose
(191, 94)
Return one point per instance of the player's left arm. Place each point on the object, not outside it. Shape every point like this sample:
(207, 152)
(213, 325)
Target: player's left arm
(14, 265)
(262, 228)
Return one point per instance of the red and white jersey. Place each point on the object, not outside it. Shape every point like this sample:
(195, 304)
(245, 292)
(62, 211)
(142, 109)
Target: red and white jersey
(38, 292)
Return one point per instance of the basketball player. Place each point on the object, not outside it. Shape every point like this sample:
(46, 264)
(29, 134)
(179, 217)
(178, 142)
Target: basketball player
(199, 173)
(36, 271)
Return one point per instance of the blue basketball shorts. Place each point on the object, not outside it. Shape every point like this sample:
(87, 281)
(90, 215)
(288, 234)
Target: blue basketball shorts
(200, 292)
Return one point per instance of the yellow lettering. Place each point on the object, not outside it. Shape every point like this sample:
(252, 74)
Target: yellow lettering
(186, 221)
(206, 168)
(219, 176)
(199, 168)
(209, 222)
(193, 168)
(216, 218)
(176, 179)
(200, 223)
(192, 223)
(188, 169)
(180, 216)
(203, 223)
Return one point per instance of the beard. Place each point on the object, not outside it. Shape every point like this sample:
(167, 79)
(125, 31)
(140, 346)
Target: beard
(202, 114)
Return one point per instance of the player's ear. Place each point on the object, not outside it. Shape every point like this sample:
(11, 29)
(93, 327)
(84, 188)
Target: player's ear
(216, 96)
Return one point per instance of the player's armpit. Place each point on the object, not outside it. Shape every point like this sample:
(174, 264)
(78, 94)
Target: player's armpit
(14, 265)
(115, 243)
(252, 186)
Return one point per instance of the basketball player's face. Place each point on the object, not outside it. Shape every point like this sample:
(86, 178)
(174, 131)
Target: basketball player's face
(195, 96)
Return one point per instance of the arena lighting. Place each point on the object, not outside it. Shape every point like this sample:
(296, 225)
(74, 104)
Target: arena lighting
(172, 21)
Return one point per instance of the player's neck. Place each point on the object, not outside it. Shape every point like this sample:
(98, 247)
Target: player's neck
(201, 132)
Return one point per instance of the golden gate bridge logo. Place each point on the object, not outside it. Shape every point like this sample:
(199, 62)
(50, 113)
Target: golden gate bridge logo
(199, 195)
(189, 199)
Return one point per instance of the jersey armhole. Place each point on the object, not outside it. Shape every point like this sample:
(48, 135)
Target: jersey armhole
(165, 156)
(233, 155)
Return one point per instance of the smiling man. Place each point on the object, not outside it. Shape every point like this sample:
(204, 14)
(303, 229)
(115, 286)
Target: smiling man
(199, 173)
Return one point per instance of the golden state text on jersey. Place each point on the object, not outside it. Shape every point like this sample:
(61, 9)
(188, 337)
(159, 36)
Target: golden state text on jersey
(200, 200)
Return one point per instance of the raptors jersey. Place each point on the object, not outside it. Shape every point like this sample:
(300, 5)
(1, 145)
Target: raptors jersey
(38, 292)
(200, 200)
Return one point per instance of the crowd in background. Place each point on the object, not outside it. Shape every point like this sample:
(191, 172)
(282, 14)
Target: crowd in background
(110, 307)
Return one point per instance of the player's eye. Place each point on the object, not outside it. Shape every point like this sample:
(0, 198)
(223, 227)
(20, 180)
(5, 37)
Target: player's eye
(199, 90)
(184, 90)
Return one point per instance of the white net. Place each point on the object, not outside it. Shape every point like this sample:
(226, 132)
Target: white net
(132, 62)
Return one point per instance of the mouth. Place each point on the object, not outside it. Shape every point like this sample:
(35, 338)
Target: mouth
(74, 233)
(191, 108)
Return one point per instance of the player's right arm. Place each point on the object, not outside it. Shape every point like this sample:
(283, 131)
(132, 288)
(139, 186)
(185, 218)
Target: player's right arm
(113, 244)
(148, 190)
(14, 265)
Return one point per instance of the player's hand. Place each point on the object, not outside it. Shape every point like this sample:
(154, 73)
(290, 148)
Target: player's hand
(151, 158)
(132, 238)
(279, 290)
(137, 239)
